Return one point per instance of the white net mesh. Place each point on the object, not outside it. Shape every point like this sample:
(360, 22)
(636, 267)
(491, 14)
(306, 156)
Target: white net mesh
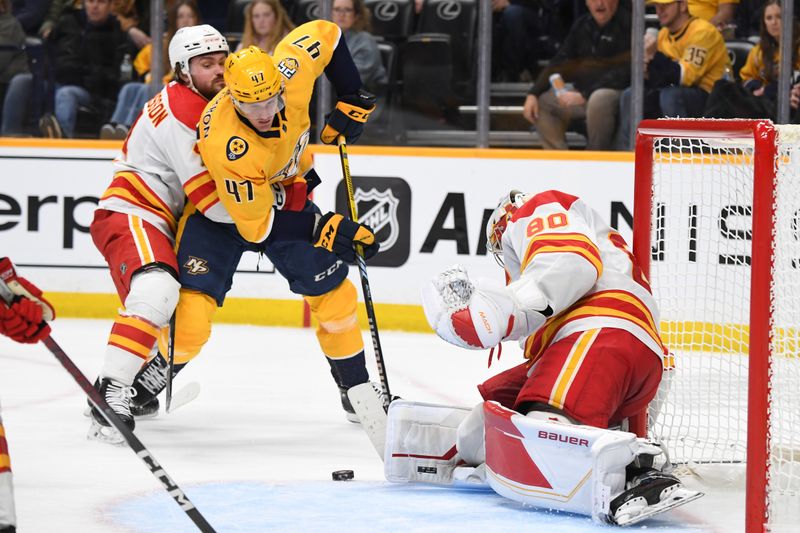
(700, 274)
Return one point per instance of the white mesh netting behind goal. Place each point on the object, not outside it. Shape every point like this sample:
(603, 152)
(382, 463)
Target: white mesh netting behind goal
(700, 274)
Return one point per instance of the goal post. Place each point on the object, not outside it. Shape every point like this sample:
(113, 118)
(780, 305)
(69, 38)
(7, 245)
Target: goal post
(716, 230)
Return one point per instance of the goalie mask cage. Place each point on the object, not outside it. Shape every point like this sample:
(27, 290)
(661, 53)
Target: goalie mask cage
(717, 232)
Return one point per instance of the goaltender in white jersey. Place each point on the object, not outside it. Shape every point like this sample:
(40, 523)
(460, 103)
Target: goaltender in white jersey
(136, 221)
(584, 314)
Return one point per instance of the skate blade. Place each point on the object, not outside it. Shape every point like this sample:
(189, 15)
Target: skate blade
(105, 434)
(352, 417)
(678, 497)
(145, 416)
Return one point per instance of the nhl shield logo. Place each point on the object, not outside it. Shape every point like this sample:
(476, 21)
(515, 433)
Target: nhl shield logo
(378, 210)
(383, 203)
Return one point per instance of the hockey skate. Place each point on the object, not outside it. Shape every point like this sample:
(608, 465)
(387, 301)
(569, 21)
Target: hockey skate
(118, 397)
(150, 381)
(649, 494)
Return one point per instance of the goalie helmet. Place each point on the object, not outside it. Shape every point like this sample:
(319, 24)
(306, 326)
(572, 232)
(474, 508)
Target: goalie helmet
(251, 76)
(506, 207)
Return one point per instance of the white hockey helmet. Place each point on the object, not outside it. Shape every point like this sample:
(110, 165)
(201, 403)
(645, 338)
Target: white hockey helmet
(496, 226)
(193, 41)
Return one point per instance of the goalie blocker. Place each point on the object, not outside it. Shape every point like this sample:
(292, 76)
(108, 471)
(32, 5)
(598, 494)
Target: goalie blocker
(537, 460)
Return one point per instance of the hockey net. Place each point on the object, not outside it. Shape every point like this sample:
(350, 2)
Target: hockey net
(717, 227)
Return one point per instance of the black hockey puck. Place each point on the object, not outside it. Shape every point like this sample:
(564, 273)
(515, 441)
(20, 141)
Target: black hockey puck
(342, 475)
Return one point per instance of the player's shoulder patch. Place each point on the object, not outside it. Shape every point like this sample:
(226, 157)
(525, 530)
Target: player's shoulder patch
(288, 66)
(236, 148)
(542, 198)
(185, 104)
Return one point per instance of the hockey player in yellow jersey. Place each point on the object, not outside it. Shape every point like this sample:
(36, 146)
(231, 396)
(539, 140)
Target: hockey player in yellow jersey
(252, 138)
(682, 65)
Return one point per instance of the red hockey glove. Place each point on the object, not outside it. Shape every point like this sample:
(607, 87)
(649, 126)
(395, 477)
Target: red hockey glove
(24, 319)
(348, 117)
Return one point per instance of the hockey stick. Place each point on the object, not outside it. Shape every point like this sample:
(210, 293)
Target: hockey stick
(170, 362)
(362, 271)
(136, 445)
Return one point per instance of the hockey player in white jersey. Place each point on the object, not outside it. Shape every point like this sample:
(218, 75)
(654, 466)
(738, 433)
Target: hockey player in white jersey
(25, 320)
(581, 309)
(136, 221)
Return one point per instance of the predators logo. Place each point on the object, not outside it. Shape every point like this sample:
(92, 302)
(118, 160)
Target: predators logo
(236, 148)
(195, 266)
(288, 67)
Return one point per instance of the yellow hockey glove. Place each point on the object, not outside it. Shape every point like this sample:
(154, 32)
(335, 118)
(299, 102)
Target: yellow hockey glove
(348, 117)
(339, 235)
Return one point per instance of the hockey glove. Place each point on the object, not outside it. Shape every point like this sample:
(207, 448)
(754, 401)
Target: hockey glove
(339, 235)
(24, 318)
(348, 117)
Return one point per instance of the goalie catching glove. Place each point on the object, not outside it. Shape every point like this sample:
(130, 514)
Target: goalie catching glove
(25, 318)
(480, 314)
(348, 117)
(339, 235)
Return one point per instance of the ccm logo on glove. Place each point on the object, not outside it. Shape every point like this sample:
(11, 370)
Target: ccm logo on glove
(339, 235)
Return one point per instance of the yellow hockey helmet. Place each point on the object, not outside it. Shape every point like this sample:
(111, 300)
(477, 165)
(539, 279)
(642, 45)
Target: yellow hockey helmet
(251, 75)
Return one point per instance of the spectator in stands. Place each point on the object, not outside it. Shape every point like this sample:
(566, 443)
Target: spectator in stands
(133, 95)
(128, 17)
(720, 13)
(23, 98)
(681, 66)
(760, 71)
(266, 22)
(520, 37)
(30, 13)
(757, 95)
(57, 8)
(794, 103)
(595, 59)
(13, 66)
(88, 49)
(353, 17)
(214, 12)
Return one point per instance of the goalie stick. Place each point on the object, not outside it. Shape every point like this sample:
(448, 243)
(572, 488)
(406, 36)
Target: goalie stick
(362, 272)
(135, 444)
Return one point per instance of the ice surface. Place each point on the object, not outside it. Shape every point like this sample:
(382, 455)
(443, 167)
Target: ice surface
(255, 450)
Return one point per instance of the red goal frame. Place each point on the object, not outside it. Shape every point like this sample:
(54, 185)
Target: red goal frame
(764, 135)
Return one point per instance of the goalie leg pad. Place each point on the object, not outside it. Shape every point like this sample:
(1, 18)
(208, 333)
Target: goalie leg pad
(552, 465)
(470, 440)
(421, 442)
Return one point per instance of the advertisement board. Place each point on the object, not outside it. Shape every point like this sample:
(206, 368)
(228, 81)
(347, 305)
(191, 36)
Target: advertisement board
(428, 207)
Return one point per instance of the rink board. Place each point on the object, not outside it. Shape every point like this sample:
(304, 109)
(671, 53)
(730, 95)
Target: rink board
(428, 206)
